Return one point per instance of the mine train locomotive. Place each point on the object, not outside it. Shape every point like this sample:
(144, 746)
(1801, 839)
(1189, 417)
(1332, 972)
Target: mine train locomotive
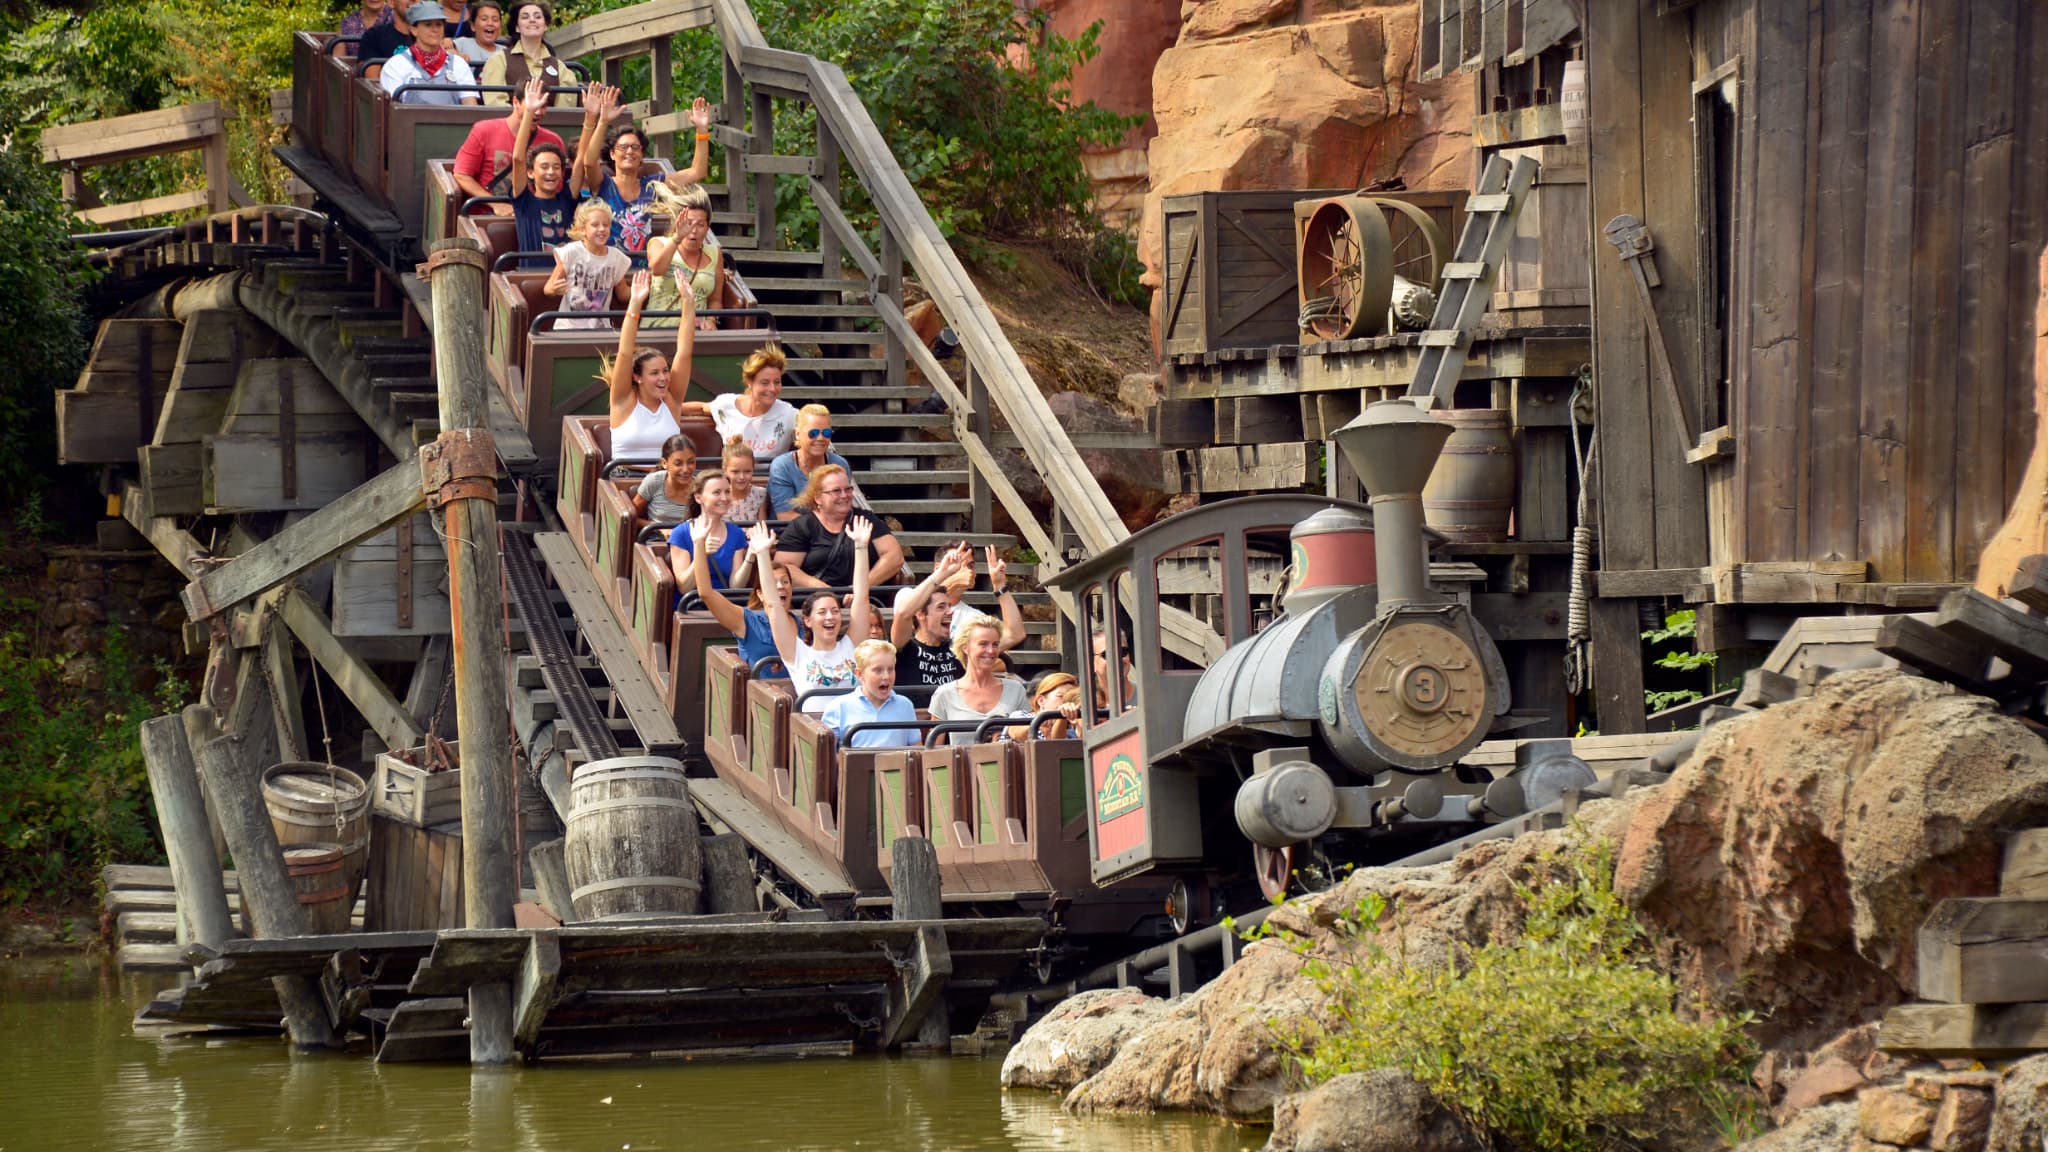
(1332, 734)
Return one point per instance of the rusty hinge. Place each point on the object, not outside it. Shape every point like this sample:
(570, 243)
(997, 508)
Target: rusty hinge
(444, 256)
(404, 530)
(459, 464)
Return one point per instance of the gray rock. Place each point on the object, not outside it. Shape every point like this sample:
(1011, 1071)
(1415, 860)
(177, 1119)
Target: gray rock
(1078, 1038)
(2019, 1121)
(1384, 1110)
(1828, 1129)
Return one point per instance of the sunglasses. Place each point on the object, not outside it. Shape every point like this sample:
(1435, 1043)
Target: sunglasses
(819, 433)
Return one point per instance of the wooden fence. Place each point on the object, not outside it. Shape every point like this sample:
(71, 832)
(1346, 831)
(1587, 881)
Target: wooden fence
(187, 128)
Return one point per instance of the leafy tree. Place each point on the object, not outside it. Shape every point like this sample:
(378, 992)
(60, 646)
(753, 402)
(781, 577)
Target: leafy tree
(41, 325)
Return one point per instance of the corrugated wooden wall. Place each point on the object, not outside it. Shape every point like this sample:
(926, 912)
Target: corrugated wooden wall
(1892, 204)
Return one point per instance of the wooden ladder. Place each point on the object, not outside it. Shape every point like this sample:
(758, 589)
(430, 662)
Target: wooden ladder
(1468, 278)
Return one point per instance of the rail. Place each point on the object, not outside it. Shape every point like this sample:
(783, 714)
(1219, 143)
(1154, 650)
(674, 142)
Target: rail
(996, 378)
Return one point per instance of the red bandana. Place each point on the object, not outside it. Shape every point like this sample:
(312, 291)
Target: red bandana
(430, 62)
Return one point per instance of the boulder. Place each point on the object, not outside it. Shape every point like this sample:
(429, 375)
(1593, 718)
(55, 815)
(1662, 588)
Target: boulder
(1893, 1115)
(1385, 1110)
(2019, 1118)
(1788, 864)
(1828, 1129)
(1220, 1048)
(1078, 1037)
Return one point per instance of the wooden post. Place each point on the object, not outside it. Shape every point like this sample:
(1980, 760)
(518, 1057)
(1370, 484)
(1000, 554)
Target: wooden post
(830, 256)
(1618, 666)
(662, 99)
(476, 608)
(890, 285)
(551, 877)
(764, 182)
(914, 888)
(188, 838)
(269, 899)
(981, 422)
(728, 876)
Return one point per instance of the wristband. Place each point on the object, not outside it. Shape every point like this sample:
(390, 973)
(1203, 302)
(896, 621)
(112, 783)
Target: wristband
(703, 135)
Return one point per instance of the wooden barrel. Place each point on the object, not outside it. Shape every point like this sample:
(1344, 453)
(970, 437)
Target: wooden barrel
(320, 877)
(1471, 492)
(304, 798)
(632, 839)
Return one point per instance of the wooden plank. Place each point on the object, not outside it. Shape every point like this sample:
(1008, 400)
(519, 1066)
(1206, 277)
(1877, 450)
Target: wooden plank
(1984, 950)
(1617, 666)
(128, 137)
(1651, 582)
(1775, 387)
(1936, 245)
(725, 804)
(1934, 653)
(1615, 149)
(533, 992)
(2030, 583)
(244, 473)
(374, 506)
(1967, 1031)
(2029, 235)
(154, 206)
(1983, 309)
(631, 688)
(103, 427)
(1243, 468)
(1836, 224)
(1888, 314)
(386, 716)
(2019, 640)
(2025, 871)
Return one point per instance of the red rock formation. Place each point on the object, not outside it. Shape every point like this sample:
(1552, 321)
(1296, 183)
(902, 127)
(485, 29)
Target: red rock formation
(1134, 33)
(1261, 94)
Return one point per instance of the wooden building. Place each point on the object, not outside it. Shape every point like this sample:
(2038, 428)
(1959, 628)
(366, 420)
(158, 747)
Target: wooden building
(1847, 205)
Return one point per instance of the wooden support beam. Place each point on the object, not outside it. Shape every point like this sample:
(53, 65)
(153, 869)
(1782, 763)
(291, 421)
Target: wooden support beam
(1984, 950)
(476, 607)
(1936, 654)
(378, 504)
(915, 1004)
(2025, 871)
(1968, 1031)
(2030, 583)
(188, 839)
(533, 993)
(269, 897)
(2018, 639)
(363, 688)
(1618, 667)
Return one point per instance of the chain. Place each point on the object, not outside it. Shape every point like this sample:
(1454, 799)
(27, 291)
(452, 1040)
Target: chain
(327, 743)
(287, 741)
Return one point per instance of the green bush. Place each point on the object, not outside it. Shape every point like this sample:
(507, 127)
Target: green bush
(74, 795)
(42, 339)
(1565, 1038)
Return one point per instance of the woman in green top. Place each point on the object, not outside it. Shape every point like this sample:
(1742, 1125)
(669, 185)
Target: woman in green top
(688, 255)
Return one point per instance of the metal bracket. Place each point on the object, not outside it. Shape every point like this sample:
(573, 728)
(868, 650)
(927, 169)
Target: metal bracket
(222, 665)
(460, 464)
(441, 257)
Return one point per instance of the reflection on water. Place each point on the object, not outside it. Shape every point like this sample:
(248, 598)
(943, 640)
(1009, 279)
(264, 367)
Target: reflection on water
(75, 1075)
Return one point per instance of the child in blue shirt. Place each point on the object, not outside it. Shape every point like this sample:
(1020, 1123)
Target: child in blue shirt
(875, 662)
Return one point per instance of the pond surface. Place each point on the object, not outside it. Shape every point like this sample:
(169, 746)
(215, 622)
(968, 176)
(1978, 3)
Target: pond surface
(74, 1074)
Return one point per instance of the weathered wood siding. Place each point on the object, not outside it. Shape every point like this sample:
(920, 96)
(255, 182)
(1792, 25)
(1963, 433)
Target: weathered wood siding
(1892, 158)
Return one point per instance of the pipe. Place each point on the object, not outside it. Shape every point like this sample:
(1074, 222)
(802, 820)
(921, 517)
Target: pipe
(1399, 544)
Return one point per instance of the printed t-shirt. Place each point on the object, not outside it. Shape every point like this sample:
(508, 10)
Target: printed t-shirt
(591, 279)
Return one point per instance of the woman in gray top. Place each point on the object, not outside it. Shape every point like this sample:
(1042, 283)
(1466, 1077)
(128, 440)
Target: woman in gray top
(982, 690)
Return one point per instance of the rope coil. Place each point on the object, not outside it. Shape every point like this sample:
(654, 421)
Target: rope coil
(1578, 632)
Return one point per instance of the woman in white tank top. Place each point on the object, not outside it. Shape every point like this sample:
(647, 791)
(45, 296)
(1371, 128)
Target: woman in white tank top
(644, 407)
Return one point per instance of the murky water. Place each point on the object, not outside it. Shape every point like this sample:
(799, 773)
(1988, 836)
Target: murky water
(75, 1075)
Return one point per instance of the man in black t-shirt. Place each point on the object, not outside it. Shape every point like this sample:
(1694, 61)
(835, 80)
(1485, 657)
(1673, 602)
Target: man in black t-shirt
(929, 615)
(384, 41)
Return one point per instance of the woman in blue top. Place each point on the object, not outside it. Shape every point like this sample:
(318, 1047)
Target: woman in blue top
(755, 632)
(628, 187)
(707, 540)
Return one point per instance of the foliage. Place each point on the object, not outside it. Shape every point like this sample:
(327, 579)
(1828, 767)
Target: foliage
(973, 98)
(1680, 630)
(41, 324)
(74, 795)
(1565, 1038)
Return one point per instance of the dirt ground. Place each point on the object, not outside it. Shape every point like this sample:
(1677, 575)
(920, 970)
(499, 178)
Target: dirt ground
(1070, 336)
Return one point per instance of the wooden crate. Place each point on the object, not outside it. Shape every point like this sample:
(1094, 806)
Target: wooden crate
(1228, 274)
(1547, 277)
(403, 791)
(369, 578)
(415, 879)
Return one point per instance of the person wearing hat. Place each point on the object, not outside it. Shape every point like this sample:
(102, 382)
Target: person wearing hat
(927, 619)
(437, 75)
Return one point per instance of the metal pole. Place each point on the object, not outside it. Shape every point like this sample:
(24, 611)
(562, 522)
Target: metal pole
(464, 462)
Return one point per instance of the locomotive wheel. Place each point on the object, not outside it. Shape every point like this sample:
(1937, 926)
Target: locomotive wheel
(1419, 248)
(1274, 867)
(1347, 269)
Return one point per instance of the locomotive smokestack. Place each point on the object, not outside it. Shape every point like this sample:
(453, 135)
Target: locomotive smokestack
(1393, 445)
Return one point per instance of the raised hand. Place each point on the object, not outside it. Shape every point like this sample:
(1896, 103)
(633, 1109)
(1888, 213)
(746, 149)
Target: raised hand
(535, 99)
(593, 102)
(860, 530)
(998, 569)
(760, 539)
(614, 107)
(950, 562)
(643, 284)
(700, 114)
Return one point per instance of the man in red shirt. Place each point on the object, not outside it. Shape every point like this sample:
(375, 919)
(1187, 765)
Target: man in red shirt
(486, 156)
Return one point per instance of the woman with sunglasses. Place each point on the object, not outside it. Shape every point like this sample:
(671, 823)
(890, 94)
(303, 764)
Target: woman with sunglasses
(792, 470)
